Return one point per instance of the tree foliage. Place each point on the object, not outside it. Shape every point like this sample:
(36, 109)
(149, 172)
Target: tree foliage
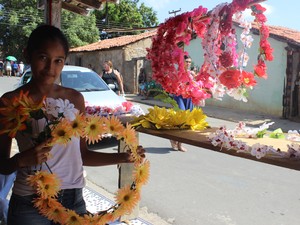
(127, 14)
(19, 17)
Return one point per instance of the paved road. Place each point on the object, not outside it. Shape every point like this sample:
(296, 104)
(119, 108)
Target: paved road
(202, 187)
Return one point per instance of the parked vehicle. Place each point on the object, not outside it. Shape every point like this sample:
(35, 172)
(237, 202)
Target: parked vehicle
(99, 97)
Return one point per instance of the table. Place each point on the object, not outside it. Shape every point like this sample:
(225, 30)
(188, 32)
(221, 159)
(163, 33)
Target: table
(200, 139)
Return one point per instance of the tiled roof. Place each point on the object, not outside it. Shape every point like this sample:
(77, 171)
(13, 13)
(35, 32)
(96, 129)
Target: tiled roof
(292, 36)
(281, 33)
(113, 42)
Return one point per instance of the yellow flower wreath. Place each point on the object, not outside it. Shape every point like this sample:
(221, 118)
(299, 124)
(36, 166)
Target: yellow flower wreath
(92, 128)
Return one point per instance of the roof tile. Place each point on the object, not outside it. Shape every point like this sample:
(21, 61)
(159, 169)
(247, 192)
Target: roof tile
(283, 33)
(113, 42)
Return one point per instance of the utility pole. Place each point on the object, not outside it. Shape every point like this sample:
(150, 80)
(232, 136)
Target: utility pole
(175, 11)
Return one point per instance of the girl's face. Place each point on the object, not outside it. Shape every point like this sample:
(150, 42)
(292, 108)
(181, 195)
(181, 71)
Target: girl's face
(47, 62)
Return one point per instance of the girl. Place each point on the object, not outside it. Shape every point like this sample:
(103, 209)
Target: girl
(46, 52)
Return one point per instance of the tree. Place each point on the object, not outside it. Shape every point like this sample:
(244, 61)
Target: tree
(19, 17)
(126, 15)
(80, 30)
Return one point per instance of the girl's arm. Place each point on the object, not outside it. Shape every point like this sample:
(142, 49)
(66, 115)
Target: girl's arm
(92, 158)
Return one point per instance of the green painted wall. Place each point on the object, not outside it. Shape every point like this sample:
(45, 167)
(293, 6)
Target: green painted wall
(266, 96)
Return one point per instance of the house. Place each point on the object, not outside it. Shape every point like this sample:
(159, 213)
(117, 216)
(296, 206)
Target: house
(279, 95)
(128, 54)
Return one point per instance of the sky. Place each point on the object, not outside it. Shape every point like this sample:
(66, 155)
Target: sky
(285, 13)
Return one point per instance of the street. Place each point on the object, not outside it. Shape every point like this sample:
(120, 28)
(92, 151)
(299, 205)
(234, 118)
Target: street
(202, 187)
(207, 188)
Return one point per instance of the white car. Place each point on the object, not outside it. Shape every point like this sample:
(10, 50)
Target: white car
(99, 98)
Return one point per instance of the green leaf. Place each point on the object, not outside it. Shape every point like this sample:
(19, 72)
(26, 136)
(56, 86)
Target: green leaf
(260, 134)
(278, 134)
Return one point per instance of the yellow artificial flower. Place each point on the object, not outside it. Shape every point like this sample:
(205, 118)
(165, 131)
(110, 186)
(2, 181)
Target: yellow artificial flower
(62, 132)
(197, 120)
(94, 129)
(56, 212)
(127, 199)
(12, 127)
(41, 204)
(130, 137)
(114, 126)
(77, 125)
(162, 118)
(28, 102)
(141, 173)
(47, 184)
(73, 218)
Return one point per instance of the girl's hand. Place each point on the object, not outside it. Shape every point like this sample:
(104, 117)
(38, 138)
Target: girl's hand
(34, 156)
(140, 151)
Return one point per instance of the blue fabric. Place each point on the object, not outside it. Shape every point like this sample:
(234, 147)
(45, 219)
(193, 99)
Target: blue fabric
(184, 103)
(22, 211)
(6, 182)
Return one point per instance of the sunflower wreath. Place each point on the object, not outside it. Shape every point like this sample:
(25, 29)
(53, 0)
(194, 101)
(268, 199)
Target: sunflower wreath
(66, 123)
(221, 72)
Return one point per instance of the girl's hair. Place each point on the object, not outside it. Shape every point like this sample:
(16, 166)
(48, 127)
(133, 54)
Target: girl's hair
(45, 33)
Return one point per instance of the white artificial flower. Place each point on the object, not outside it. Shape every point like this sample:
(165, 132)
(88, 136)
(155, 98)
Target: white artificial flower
(258, 150)
(238, 94)
(67, 108)
(50, 107)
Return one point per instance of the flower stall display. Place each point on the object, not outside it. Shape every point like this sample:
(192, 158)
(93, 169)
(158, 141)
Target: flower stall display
(126, 108)
(223, 68)
(162, 118)
(63, 122)
(256, 142)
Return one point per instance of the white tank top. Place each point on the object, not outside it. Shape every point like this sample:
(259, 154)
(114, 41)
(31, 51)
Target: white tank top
(65, 162)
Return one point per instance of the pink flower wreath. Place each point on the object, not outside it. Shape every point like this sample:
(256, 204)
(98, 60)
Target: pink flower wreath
(221, 71)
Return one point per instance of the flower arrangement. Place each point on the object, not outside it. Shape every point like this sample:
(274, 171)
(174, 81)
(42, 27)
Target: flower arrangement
(116, 110)
(222, 70)
(227, 139)
(63, 123)
(162, 118)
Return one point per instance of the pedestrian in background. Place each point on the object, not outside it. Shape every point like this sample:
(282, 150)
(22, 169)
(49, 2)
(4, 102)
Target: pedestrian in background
(142, 81)
(15, 69)
(21, 68)
(112, 76)
(184, 103)
(1, 68)
(8, 68)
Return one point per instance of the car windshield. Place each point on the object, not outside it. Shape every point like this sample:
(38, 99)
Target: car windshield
(83, 81)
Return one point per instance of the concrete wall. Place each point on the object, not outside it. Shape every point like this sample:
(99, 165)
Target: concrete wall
(266, 96)
(128, 60)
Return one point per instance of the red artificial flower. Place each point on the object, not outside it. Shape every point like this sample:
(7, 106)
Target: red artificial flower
(264, 32)
(248, 79)
(266, 50)
(128, 105)
(261, 18)
(261, 69)
(231, 78)
(226, 59)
